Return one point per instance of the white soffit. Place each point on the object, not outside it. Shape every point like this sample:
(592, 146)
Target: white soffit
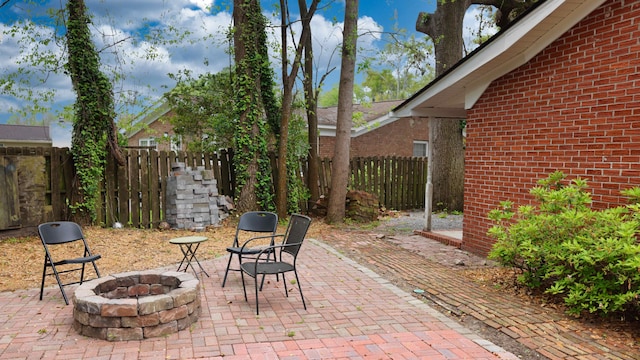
(458, 91)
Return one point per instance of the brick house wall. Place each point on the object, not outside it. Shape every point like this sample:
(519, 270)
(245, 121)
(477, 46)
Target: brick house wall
(575, 107)
(393, 139)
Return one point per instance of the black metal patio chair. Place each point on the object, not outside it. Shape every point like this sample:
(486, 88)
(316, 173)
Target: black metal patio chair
(285, 257)
(251, 225)
(58, 233)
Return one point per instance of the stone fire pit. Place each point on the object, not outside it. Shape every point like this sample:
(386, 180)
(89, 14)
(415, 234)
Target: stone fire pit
(136, 305)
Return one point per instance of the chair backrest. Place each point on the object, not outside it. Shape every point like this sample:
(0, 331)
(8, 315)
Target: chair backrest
(258, 221)
(59, 232)
(296, 231)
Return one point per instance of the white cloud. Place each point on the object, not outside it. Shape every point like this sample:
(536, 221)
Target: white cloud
(145, 63)
(202, 4)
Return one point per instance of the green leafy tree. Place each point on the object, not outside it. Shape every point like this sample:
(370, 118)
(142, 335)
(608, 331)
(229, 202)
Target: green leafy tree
(402, 67)
(203, 109)
(39, 58)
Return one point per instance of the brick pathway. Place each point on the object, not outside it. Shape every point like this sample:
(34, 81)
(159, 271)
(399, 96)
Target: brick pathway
(546, 331)
(352, 314)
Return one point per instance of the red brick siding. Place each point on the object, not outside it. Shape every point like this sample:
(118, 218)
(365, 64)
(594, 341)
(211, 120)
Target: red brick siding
(393, 139)
(575, 107)
(326, 145)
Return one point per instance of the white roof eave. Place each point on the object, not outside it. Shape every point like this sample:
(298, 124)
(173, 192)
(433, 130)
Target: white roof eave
(459, 90)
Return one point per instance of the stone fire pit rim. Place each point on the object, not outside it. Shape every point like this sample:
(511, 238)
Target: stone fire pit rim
(87, 288)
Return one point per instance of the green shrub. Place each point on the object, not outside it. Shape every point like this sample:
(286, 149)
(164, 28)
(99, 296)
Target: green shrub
(589, 258)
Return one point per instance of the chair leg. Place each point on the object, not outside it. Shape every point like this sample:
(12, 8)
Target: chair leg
(226, 272)
(284, 281)
(256, 286)
(60, 285)
(44, 274)
(244, 287)
(300, 288)
(82, 273)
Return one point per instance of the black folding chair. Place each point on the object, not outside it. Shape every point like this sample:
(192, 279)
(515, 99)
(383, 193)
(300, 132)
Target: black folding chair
(251, 224)
(285, 255)
(64, 232)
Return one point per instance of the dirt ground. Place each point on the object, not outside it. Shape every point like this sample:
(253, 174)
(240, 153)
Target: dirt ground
(121, 250)
(131, 249)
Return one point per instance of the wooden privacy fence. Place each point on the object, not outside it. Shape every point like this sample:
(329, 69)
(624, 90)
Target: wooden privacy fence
(399, 182)
(133, 194)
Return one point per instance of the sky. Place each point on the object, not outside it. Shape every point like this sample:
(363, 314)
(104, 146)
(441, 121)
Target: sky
(146, 65)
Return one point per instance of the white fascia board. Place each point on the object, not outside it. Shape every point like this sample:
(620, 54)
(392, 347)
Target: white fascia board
(513, 48)
(326, 130)
(373, 125)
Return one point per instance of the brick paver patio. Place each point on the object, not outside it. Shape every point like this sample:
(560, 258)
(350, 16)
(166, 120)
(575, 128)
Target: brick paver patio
(352, 314)
(546, 331)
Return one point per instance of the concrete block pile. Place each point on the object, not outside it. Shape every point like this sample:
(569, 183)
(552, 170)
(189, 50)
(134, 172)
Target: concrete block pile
(193, 202)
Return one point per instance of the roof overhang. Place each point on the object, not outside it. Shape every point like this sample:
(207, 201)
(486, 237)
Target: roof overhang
(330, 130)
(19, 142)
(458, 89)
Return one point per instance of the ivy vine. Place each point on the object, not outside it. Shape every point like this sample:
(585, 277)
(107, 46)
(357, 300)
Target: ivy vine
(256, 109)
(93, 110)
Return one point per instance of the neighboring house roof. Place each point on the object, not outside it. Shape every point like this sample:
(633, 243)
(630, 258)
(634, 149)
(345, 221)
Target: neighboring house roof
(24, 133)
(149, 115)
(374, 115)
(457, 90)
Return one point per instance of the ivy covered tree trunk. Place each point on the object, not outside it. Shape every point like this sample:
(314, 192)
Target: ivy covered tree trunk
(94, 130)
(253, 77)
(340, 167)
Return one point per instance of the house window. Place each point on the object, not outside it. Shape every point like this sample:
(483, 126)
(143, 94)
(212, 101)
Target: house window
(176, 143)
(149, 142)
(421, 148)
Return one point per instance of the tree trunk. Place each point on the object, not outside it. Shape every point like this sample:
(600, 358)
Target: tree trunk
(445, 28)
(311, 107)
(287, 101)
(94, 114)
(447, 160)
(250, 137)
(340, 170)
(448, 164)
(288, 81)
